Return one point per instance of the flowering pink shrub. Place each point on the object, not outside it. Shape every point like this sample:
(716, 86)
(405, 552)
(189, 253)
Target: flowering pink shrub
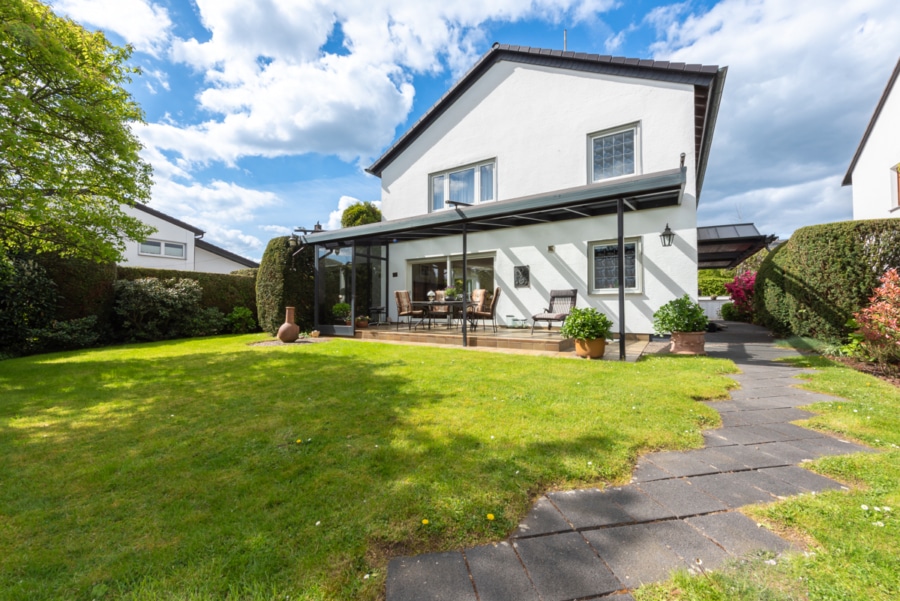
(741, 291)
(879, 323)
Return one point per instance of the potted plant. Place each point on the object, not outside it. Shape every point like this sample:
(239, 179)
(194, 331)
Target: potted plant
(590, 329)
(686, 321)
(451, 293)
(362, 321)
(341, 312)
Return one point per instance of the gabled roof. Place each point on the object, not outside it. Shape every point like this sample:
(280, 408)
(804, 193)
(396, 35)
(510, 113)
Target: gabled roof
(198, 233)
(848, 178)
(707, 80)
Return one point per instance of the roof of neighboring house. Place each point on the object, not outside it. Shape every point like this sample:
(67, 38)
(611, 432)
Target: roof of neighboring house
(848, 178)
(708, 81)
(727, 246)
(217, 250)
(207, 246)
(195, 230)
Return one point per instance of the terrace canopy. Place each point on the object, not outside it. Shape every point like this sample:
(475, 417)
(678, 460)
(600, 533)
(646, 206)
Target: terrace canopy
(634, 193)
(727, 246)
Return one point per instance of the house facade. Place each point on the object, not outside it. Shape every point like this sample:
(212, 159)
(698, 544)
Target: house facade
(874, 170)
(526, 167)
(177, 245)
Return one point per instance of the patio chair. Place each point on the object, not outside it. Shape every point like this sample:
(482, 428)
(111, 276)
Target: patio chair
(404, 308)
(490, 313)
(439, 311)
(477, 304)
(561, 302)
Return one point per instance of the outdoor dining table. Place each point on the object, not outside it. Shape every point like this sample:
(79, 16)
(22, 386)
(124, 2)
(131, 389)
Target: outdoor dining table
(427, 305)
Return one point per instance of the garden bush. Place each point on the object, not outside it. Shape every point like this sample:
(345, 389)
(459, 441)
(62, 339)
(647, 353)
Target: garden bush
(711, 282)
(220, 290)
(283, 281)
(814, 283)
(729, 312)
(154, 309)
(27, 302)
(879, 324)
(741, 291)
(240, 321)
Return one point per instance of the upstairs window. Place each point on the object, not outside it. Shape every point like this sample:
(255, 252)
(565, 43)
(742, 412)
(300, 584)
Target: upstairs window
(614, 153)
(471, 185)
(174, 250)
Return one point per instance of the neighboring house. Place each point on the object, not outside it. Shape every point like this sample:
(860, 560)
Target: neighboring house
(177, 245)
(544, 149)
(875, 169)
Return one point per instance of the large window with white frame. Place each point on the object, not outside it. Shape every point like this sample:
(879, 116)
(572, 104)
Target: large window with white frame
(173, 250)
(603, 264)
(615, 153)
(472, 185)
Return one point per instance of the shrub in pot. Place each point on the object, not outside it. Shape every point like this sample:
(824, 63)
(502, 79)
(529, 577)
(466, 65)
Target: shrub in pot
(341, 312)
(686, 321)
(590, 329)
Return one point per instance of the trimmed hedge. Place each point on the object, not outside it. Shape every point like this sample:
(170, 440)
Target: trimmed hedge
(85, 289)
(221, 291)
(285, 281)
(814, 283)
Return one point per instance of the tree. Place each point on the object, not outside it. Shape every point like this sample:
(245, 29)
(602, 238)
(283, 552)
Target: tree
(68, 157)
(360, 213)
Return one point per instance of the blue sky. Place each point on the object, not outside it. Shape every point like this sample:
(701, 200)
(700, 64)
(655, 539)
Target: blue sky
(262, 115)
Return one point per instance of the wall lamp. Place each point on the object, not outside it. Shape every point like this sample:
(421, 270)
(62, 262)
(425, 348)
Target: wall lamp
(667, 236)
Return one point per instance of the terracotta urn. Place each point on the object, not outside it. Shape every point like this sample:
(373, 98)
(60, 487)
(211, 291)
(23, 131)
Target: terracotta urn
(688, 343)
(289, 331)
(592, 349)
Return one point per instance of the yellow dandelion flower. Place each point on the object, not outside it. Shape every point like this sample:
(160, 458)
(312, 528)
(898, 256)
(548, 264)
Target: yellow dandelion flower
(490, 516)
(424, 522)
(299, 441)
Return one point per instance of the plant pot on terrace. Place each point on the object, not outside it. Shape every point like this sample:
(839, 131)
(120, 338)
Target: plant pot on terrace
(590, 329)
(341, 313)
(685, 320)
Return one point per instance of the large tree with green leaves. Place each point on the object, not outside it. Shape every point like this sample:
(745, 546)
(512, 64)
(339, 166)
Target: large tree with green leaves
(68, 156)
(360, 213)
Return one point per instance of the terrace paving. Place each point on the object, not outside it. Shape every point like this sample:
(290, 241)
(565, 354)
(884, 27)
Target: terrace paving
(678, 511)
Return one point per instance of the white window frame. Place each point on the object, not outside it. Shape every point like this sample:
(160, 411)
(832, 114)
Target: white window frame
(638, 168)
(162, 249)
(895, 187)
(477, 192)
(638, 266)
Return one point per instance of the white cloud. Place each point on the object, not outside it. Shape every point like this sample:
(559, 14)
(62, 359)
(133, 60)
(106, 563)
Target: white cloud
(280, 230)
(803, 80)
(345, 202)
(142, 23)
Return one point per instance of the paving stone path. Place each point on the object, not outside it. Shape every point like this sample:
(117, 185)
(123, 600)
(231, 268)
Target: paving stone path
(678, 509)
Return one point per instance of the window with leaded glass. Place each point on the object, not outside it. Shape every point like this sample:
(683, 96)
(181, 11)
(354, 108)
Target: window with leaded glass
(604, 266)
(614, 154)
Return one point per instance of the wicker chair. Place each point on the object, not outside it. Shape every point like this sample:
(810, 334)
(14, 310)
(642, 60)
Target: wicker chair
(490, 313)
(438, 311)
(561, 302)
(404, 308)
(477, 304)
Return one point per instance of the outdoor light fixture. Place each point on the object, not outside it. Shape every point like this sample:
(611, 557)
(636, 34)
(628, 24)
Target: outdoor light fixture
(430, 295)
(293, 241)
(667, 236)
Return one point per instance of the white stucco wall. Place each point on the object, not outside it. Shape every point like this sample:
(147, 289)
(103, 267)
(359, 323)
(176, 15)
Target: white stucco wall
(165, 232)
(875, 177)
(536, 122)
(208, 262)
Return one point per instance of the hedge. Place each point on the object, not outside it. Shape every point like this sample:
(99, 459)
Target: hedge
(814, 283)
(84, 289)
(283, 281)
(220, 290)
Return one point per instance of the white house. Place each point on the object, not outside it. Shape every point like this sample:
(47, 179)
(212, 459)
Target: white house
(875, 169)
(523, 170)
(177, 245)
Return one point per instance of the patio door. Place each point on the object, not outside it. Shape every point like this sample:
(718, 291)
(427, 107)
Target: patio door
(438, 274)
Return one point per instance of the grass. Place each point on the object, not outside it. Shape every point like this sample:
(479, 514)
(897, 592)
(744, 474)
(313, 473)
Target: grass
(853, 537)
(211, 469)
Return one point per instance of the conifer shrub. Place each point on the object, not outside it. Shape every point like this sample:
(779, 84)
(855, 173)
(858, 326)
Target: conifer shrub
(285, 280)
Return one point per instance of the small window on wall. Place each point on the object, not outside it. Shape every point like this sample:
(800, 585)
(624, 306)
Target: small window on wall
(471, 185)
(174, 250)
(615, 153)
(897, 185)
(604, 266)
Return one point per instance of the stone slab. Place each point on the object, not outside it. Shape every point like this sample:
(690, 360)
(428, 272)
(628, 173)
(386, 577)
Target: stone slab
(826, 445)
(738, 534)
(645, 471)
(564, 566)
(542, 519)
(747, 456)
(750, 434)
(789, 453)
(680, 463)
(498, 574)
(774, 416)
(805, 479)
(432, 577)
(634, 556)
(732, 489)
(713, 439)
(688, 543)
(769, 483)
(734, 418)
(681, 497)
(753, 381)
(638, 505)
(589, 508)
(791, 432)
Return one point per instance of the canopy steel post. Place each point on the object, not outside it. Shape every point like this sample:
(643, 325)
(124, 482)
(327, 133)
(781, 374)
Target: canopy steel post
(316, 284)
(353, 289)
(465, 307)
(387, 281)
(620, 225)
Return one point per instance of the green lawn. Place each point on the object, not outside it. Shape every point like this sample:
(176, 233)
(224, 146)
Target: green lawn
(853, 537)
(206, 469)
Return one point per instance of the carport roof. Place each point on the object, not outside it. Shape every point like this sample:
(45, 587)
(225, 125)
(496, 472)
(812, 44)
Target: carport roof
(640, 192)
(727, 246)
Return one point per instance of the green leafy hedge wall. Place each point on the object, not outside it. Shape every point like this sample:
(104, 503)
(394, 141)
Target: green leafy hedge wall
(283, 281)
